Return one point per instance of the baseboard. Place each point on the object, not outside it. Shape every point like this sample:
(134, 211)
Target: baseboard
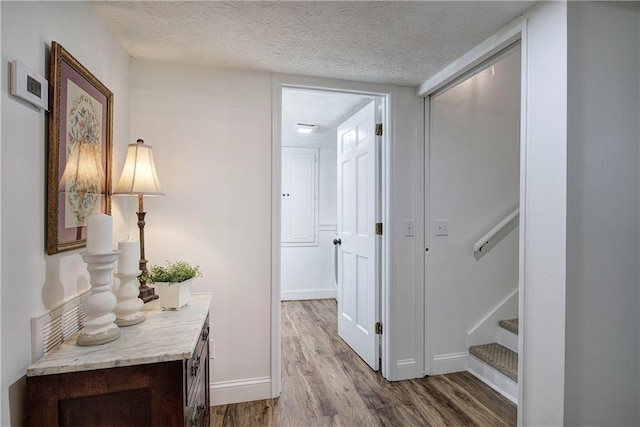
(494, 379)
(226, 392)
(308, 294)
(406, 370)
(449, 363)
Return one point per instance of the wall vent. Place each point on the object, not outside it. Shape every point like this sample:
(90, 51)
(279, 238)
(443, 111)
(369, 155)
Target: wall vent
(52, 328)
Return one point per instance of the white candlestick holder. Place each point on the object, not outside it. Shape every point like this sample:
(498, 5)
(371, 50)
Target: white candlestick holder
(128, 307)
(99, 327)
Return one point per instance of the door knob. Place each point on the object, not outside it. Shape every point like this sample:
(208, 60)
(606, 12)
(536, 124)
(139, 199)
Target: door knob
(337, 241)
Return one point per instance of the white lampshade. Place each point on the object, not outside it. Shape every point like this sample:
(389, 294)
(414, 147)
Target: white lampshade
(139, 173)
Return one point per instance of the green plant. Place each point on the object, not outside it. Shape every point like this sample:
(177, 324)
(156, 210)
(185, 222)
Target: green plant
(173, 272)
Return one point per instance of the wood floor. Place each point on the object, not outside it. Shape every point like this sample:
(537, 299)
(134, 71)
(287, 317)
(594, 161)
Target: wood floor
(325, 384)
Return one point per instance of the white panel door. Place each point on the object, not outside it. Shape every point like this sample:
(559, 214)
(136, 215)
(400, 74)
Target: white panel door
(357, 278)
(299, 200)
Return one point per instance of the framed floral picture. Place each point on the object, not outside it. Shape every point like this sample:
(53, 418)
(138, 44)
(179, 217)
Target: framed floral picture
(79, 158)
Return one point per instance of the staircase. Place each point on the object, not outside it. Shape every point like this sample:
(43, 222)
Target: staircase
(496, 363)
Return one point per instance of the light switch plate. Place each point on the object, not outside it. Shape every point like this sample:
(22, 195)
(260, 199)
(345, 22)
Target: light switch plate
(409, 228)
(442, 227)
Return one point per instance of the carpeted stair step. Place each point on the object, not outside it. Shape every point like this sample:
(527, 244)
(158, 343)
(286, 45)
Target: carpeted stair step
(510, 325)
(498, 357)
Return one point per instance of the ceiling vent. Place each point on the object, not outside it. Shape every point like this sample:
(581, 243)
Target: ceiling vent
(305, 128)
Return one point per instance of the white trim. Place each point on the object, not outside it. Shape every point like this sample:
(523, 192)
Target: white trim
(449, 363)
(522, 267)
(494, 379)
(406, 369)
(473, 58)
(308, 294)
(428, 328)
(226, 392)
(276, 171)
(388, 93)
(386, 303)
(331, 85)
(421, 239)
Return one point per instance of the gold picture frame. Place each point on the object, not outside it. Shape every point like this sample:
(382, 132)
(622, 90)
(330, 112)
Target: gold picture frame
(79, 151)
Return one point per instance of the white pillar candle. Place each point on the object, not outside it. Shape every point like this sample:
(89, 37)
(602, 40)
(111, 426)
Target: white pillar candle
(129, 261)
(99, 234)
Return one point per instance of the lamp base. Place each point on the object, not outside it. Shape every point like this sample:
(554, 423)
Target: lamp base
(147, 294)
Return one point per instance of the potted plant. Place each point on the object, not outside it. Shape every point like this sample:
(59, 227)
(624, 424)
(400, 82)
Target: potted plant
(173, 283)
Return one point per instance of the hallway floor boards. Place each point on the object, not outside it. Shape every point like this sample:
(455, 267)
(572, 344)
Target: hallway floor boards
(325, 384)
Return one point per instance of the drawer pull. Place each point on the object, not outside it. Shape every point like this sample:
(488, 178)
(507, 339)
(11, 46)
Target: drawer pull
(194, 366)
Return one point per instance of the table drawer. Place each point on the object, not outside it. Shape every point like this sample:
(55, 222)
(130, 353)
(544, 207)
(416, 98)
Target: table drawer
(196, 365)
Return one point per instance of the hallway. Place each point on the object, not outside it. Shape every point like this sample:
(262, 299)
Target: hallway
(324, 384)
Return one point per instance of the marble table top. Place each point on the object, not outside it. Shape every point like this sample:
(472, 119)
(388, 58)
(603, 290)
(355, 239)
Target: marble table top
(164, 336)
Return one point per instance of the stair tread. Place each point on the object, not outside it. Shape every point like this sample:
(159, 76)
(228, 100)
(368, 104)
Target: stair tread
(498, 357)
(510, 325)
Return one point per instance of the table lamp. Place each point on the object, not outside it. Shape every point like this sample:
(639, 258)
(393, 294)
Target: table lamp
(139, 178)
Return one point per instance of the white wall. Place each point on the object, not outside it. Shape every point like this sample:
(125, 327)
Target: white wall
(328, 188)
(603, 215)
(543, 218)
(32, 281)
(474, 184)
(211, 133)
(307, 272)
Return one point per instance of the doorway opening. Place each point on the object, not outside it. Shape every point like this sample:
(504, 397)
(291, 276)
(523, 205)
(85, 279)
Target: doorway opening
(474, 134)
(329, 164)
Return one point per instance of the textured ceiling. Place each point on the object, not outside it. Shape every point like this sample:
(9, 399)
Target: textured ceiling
(391, 42)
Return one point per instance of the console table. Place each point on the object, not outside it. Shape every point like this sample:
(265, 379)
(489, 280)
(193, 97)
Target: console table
(155, 374)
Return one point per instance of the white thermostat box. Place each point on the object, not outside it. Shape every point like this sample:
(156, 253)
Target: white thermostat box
(29, 85)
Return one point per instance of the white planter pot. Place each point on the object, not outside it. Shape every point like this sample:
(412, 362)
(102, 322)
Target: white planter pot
(174, 296)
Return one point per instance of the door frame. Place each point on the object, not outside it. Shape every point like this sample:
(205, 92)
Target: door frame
(388, 96)
(489, 48)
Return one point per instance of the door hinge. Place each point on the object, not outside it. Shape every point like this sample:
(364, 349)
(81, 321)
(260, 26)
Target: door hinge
(378, 229)
(378, 129)
(378, 328)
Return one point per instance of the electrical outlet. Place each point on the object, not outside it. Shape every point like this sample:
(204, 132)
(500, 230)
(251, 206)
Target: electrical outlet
(442, 227)
(409, 228)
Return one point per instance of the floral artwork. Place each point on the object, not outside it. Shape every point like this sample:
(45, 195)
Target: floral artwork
(79, 166)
